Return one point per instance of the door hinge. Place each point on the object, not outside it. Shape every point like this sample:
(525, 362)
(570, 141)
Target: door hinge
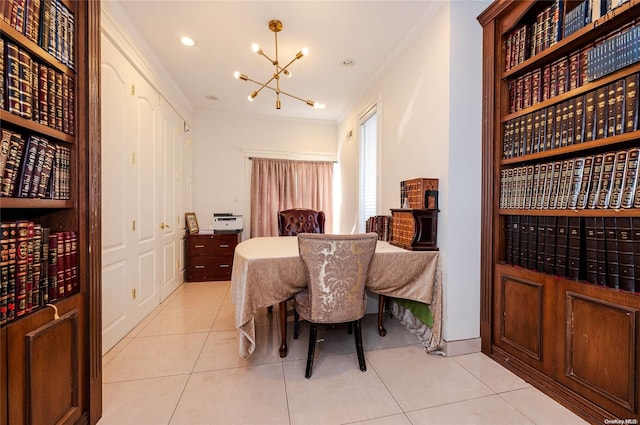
(133, 293)
(133, 157)
(133, 89)
(133, 225)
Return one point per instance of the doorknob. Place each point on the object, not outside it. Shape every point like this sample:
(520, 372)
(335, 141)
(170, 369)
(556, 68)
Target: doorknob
(164, 226)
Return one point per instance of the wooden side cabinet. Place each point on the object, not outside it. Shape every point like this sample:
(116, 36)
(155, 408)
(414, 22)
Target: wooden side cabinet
(210, 256)
(415, 229)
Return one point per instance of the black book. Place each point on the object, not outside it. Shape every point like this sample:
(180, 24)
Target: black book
(589, 116)
(619, 108)
(631, 103)
(550, 245)
(625, 254)
(610, 127)
(524, 240)
(601, 112)
(571, 121)
(578, 131)
(540, 249)
(591, 244)
(532, 234)
(635, 226)
(602, 252)
(573, 248)
(515, 245)
(550, 129)
(562, 242)
(611, 252)
(508, 242)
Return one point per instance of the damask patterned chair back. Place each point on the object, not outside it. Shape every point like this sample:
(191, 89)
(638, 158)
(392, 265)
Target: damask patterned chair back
(336, 267)
(300, 220)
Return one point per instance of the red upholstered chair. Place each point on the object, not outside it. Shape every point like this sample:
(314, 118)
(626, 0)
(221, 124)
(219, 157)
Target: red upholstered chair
(300, 220)
(336, 267)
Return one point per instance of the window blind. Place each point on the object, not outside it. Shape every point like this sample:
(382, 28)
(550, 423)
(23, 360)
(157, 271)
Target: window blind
(369, 165)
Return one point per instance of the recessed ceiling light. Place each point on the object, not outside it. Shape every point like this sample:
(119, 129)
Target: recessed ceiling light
(187, 41)
(347, 62)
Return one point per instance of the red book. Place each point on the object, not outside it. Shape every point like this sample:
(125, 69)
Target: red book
(68, 273)
(53, 266)
(62, 287)
(75, 286)
(30, 285)
(22, 248)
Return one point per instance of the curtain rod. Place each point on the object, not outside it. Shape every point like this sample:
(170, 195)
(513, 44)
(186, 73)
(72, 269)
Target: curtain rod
(313, 160)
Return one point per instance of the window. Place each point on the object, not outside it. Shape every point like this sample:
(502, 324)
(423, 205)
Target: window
(368, 165)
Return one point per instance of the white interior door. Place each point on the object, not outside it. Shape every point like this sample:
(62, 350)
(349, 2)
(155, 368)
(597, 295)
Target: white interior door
(130, 235)
(172, 128)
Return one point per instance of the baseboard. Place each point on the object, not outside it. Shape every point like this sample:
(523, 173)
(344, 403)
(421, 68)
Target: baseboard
(461, 347)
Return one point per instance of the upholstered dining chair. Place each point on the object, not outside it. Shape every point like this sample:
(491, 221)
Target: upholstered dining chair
(336, 268)
(300, 220)
(290, 223)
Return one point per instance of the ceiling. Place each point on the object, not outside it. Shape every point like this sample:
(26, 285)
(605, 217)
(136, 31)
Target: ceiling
(369, 33)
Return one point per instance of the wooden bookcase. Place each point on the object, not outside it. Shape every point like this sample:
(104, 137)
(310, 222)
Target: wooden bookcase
(50, 358)
(578, 342)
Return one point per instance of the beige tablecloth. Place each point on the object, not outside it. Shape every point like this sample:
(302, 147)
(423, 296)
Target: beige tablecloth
(269, 270)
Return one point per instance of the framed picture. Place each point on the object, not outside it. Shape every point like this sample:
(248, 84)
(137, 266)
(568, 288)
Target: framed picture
(192, 223)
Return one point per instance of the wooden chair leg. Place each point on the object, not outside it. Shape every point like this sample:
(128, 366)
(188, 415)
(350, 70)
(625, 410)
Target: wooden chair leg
(381, 302)
(282, 311)
(359, 348)
(313, 334)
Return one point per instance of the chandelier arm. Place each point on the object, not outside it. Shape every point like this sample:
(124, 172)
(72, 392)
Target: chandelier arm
(262, 85)
(267, 58)
(308, 102)
(287, 66)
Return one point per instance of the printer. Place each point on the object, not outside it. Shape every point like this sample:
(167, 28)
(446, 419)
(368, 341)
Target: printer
(227, 223)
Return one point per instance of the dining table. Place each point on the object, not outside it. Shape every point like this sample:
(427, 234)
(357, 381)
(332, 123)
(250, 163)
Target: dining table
(267, 271)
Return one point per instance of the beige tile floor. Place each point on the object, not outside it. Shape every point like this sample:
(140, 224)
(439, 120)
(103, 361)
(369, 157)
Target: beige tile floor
(180, 365)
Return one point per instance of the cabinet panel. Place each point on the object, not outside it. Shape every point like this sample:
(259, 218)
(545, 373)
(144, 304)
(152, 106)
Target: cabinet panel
(43, 355)
(52, 362)
(600, 350)
(522, 315)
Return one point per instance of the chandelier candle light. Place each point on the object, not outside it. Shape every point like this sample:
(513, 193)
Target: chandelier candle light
(276, 27)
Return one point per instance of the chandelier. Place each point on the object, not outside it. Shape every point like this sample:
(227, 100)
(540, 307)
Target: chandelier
(276, 27)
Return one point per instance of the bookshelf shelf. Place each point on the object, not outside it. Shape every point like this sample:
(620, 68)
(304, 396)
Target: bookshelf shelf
(34, 127)
(575, 92)
(26, 203)
(610, 142)
(561, 283)
(11, 34)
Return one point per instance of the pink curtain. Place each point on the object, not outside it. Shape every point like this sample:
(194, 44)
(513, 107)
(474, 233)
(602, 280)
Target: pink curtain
(280, 184)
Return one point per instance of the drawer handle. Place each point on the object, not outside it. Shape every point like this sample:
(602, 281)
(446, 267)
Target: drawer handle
(224, 266)
(199, 246)
(224, 245)
(199, 267)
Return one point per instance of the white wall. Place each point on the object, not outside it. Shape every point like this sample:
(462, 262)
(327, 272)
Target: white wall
(430, 109)
(222, 170)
